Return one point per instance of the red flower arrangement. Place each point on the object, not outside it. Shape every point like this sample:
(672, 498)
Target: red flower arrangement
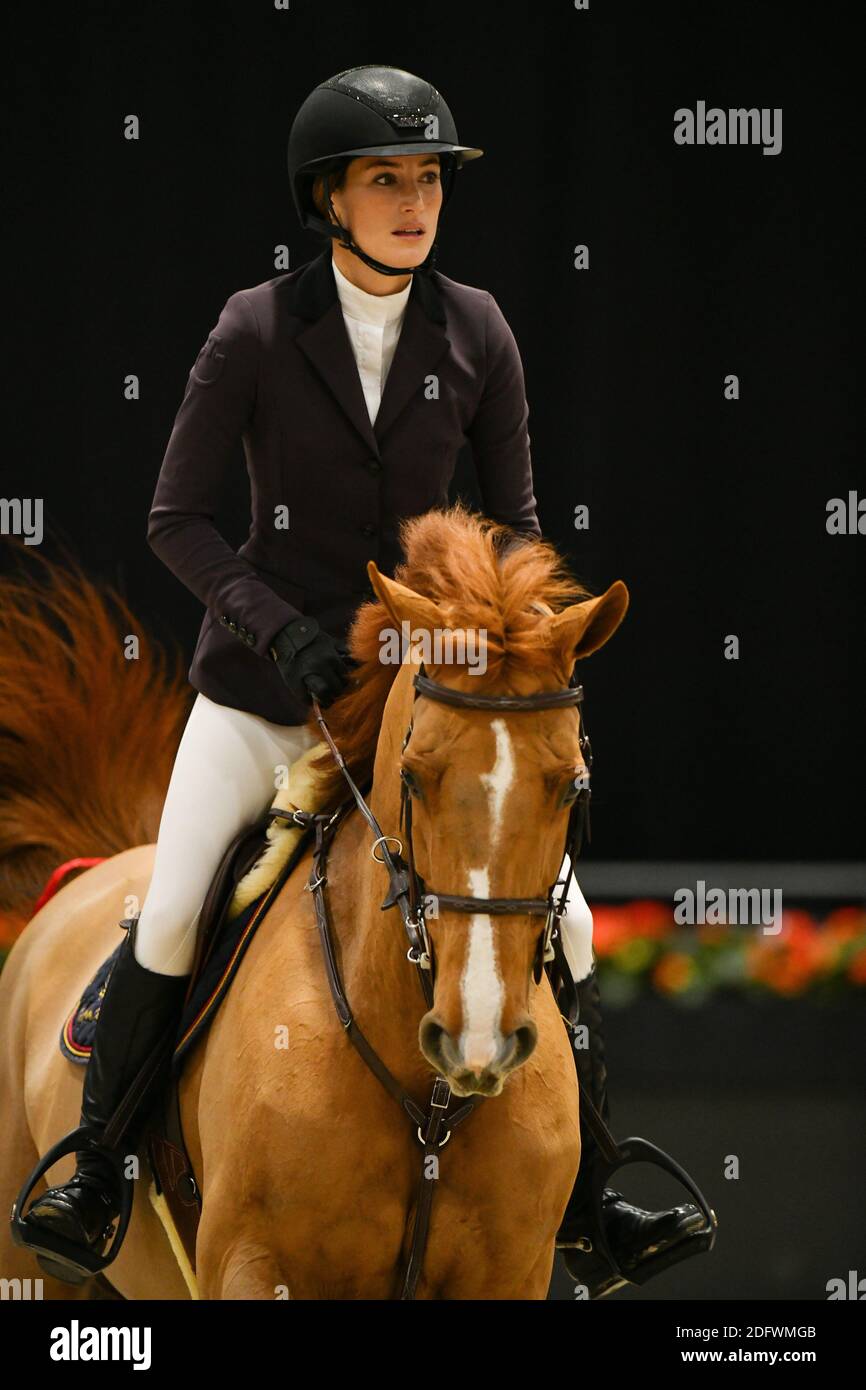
(639, 944)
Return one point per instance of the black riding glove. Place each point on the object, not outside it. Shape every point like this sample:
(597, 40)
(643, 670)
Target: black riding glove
(310, 662)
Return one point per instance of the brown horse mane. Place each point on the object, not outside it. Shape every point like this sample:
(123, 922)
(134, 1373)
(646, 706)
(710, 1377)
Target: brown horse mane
(462, 562)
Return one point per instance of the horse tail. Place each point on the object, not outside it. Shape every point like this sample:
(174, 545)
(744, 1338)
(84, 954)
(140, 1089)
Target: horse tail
(91, 714)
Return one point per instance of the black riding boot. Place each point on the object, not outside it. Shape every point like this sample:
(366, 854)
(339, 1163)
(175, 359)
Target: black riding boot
(643, 1242)
(139, 1007)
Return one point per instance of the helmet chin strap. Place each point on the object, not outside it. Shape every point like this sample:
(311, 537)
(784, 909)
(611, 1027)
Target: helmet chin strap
(345, 239)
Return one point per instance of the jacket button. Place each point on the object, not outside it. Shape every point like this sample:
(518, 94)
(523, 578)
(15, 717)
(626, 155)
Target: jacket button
(369, 529)
(375, 467)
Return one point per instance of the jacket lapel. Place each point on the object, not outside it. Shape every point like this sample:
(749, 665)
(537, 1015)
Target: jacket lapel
(325, 342)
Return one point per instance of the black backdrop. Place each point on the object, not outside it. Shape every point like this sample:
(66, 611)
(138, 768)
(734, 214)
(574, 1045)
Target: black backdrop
(704, 261)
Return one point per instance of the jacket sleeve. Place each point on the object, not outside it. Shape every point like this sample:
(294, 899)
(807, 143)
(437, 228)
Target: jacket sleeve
(210, 424)
(499, 434)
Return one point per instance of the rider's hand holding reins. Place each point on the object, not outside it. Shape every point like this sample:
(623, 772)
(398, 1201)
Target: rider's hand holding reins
(310, 662)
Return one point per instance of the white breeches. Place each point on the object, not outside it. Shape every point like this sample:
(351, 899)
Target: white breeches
(225, 776)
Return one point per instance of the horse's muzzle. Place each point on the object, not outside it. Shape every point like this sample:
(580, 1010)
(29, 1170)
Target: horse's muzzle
(470, 1075)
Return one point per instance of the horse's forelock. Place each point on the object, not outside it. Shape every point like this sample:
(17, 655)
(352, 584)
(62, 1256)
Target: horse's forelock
(456, 558)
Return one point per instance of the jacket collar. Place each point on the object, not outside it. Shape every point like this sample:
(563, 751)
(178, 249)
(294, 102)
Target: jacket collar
(325, 342)
(315, 290)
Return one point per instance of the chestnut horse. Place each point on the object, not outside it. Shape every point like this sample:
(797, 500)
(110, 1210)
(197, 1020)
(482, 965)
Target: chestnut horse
(308, 1168)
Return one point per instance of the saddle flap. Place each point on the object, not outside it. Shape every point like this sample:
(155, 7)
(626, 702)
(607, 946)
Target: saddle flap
(241, 854)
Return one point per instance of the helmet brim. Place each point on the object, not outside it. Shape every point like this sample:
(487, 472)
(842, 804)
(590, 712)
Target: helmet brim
(466, 152)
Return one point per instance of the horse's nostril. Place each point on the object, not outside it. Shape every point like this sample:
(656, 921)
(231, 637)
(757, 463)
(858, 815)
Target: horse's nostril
(430, 1035)
(437, 1044)
(525, 1039)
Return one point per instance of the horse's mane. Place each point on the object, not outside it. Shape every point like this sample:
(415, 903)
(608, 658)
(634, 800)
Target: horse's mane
(462, 562)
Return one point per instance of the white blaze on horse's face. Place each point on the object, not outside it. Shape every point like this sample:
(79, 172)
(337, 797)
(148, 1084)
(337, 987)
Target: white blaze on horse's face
(499, 781)
(481, 986)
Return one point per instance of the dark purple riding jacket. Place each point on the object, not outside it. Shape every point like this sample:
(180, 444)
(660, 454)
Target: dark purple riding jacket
(328, 488)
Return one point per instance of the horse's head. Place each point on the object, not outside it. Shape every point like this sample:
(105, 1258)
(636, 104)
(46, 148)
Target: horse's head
(491, 793)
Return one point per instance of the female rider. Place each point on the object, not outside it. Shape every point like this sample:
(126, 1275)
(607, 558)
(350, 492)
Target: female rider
(373, 157)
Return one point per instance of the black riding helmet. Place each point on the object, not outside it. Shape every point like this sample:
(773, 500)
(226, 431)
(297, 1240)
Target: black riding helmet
(365, 111)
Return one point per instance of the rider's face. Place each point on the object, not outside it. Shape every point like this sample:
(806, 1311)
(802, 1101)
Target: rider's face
(391, 206)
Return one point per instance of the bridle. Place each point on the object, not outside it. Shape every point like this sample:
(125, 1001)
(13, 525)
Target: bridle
(578, 827)
(407, 889)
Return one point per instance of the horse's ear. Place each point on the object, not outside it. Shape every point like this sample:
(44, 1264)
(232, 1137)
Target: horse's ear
(403, 604)
(582, 628)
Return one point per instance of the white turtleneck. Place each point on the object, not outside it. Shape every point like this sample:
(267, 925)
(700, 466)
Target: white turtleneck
(373, 322)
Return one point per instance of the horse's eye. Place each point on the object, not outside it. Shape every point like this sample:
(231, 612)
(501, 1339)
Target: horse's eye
(578, 783)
